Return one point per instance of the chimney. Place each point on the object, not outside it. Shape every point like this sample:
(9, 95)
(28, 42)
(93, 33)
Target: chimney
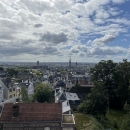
(15, 110)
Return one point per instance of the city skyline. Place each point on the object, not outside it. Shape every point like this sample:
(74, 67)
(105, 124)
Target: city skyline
(51, 31)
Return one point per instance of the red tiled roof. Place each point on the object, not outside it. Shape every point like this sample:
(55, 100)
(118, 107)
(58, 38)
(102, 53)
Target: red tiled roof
(33, 112)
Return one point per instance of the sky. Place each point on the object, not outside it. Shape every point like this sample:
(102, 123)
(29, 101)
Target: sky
(52, 30)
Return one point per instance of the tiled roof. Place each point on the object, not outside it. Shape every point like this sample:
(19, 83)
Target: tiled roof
(33, 112)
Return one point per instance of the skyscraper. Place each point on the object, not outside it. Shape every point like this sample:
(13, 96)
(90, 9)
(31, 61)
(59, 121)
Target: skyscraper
(70, 62)
(37, 64)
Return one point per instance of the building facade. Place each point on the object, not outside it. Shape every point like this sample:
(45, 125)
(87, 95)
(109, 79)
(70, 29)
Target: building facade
(35, 116)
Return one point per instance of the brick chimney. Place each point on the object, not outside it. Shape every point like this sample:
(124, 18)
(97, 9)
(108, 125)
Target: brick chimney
(15, 110)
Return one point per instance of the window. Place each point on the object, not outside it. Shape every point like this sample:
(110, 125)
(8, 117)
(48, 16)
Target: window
(10, 96)
(10, 90)
(73, 102)
(13, 89)
(14, 95)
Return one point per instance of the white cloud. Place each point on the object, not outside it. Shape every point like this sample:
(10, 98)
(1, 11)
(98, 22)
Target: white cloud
(105, 50)
(37, 28)
(103, 40)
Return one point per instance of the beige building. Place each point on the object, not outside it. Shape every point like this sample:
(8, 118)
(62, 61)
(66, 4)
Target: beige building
(10, 89)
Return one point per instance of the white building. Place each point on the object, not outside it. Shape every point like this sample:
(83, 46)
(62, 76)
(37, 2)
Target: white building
(30, 87)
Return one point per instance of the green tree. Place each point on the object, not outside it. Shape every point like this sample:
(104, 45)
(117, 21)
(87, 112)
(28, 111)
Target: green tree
(104, 72)
(11, 72)
(24, 95)
(123, 81)
(95, 104)
(63, 72)
(42, 93)
(1, 68)
(116, 79)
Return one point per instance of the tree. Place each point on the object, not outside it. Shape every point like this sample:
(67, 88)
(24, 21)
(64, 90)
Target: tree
(42, 93)
(11, 72)
(116, 79)
(1, 68)
(123, 81)
(104, 72)
(95, 104)
(24, 95)
(63, 72)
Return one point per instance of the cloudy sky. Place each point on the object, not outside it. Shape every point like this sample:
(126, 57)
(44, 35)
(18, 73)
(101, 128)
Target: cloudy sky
(52, 30)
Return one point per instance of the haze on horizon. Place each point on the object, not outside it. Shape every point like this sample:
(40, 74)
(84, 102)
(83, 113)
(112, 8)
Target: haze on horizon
(52, 30)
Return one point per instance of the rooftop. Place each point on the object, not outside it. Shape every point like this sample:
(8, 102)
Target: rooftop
(33, 112)
(72, 96)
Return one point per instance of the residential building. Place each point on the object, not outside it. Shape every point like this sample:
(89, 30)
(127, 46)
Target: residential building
(62, 96)
(29, 85)
(9, 88)
(35, 116)
(61, 84)
(66, 107)
(82, 80)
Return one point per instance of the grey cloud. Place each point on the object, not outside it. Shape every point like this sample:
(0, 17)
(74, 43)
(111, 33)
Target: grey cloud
(50, 51)
(37, 25)
(74, 51)
(25, 42)
(81, 54)
(6, 36)
(54, 38)
(17, 50)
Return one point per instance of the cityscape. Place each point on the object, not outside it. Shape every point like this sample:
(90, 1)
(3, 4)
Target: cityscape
(64, 65)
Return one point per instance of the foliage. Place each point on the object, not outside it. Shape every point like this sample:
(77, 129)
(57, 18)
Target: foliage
(1, 68)
(11, 72)
(114, 118)
(95, 104)
(42, 93)
(77, 84)
(24, 95)
(115, 76)
(87, 122)
(63, 72)
(127, 108)
(125, 125)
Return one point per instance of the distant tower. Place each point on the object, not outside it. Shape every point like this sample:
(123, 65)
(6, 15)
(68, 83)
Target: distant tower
(76, 64)
(70, 62)
(37, 64)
